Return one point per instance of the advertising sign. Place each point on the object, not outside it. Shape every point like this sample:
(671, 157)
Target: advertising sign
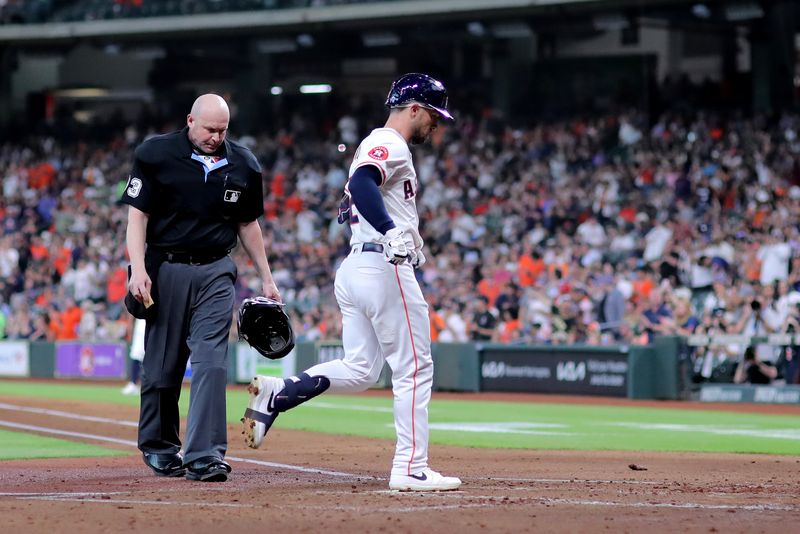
(14, 358)
(548, 371)
(90, 360)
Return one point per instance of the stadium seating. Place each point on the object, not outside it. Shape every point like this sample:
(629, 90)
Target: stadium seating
(593, 231)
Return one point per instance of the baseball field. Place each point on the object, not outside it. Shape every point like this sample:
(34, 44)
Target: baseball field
(68, 462)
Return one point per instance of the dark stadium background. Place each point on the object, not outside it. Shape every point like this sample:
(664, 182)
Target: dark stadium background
(524, 59)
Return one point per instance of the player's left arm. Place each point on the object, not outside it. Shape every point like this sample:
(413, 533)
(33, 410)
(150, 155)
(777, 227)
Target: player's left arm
(366, 195)
(367, 198)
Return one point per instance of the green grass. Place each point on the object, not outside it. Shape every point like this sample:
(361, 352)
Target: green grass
(16, 445)
(559, 426)
(268, 367)
(476, 423)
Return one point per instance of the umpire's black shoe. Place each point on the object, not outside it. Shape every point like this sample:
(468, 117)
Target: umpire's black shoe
(165, 465)
(208, 469)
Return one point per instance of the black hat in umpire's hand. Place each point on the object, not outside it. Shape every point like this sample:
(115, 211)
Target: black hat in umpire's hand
(266, 327)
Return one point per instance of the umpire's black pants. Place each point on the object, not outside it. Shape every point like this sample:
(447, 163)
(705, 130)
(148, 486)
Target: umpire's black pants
(195, 308)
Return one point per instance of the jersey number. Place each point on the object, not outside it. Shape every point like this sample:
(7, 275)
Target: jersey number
(408, 189)
(134, 187)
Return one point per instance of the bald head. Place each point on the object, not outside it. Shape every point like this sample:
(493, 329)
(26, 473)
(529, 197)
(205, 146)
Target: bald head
(208, 122)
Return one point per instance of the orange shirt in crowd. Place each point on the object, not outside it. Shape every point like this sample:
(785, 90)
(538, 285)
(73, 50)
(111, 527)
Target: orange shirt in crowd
(54, 326)
(41, 176)
(642, 288)
(437, 325)
(752, 265)
(39, 251)
(45, 298)
(508, 329)
(490, 288)
(528, 270)
(64, 325)
(117, 285)
(294, 203)
(277, 186)
(627, 214)
(270, 210)
(67, 326)
(62, 260)
(759, 216)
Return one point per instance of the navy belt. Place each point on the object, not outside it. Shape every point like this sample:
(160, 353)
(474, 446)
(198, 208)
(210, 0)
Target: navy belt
(366, 247)
(194, 258)
(371, 247)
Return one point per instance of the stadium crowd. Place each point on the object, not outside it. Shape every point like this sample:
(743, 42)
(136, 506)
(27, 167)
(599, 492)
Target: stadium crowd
(595, 231)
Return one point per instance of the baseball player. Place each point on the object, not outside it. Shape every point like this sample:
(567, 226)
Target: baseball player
(385, 317)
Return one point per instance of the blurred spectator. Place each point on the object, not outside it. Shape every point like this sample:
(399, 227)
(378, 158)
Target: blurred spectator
(774, 256)
(508, 329)
(455, 328)
(752, 370)
(610, 304)
(683, 321)
(484, 322)
(657, 315)
(716, 361)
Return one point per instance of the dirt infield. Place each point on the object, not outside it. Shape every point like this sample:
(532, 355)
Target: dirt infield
(306, 482)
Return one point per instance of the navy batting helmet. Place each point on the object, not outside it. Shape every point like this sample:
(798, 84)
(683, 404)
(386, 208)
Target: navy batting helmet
(420, 88)
(266, 327)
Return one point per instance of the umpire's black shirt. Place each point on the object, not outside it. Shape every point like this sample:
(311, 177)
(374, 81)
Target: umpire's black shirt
(190, 207)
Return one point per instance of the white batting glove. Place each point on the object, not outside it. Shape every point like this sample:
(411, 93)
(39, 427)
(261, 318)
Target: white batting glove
(394, 246)
(419, 259)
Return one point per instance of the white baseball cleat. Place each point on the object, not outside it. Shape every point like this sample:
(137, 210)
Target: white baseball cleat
(425, 480)
(260, 412)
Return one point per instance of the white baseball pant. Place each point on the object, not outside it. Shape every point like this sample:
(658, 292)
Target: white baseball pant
(385, 318)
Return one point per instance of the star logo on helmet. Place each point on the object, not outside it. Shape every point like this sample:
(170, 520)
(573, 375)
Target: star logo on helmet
(380, 153)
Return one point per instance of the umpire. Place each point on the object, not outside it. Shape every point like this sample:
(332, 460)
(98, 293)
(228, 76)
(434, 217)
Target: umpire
(190, 194)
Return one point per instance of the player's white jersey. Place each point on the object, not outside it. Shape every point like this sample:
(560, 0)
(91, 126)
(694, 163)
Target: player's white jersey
(387, 150)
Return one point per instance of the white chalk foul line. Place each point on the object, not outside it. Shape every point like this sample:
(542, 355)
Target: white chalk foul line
(86, 498)
(67, 415)
(129, 443)
(314, 470)
(57, 432)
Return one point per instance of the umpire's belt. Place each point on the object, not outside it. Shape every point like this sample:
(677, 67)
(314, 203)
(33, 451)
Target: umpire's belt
(367, 247)
(194, 258)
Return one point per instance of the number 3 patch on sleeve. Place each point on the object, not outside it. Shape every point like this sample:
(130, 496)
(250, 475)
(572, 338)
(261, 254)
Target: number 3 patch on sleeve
(134, 187)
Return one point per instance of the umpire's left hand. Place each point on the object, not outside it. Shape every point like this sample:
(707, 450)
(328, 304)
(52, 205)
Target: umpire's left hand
(270, 290)
(140, 285)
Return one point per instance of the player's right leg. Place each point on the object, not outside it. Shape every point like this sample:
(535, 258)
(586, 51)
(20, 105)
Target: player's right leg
(270, 395)
(359, 369)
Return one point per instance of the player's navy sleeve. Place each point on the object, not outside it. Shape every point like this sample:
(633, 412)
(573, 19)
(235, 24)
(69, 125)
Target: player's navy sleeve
(367, 198)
